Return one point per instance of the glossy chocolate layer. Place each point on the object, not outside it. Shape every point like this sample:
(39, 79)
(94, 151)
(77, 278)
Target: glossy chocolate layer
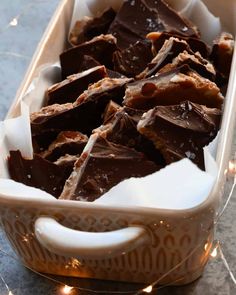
(101, 166)
(170, 49)
(196, 45)
(134, 59)
(181, 131)
(88, 28)
(71, 88)
(196, 62)
(122, 129)
(101, 48)
(38, 172)
(137, 18)
(171, 88)
(67, 142)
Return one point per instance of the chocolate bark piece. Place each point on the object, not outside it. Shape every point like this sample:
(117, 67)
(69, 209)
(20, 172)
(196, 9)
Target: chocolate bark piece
(37, 172)
(67, 162)
(181, 131)
(114, 74)
(137, 18)
(110, 110)
(196, 62)
(71, 88)
(171, 88)
(196, 45)
(101, 166)
(100, 48)
(133, 60)
(170, 49)
(222, 54)
(85, 114)
(67, 142)
(87, 63)
(88, 28)
(122, 129)
(172, 20)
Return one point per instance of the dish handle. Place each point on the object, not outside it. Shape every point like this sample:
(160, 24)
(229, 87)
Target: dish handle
(88, 245)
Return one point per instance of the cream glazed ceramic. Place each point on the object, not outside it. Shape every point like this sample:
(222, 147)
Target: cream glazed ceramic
(129, 244)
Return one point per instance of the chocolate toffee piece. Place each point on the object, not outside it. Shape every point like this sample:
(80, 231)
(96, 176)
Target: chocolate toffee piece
(67, 161)
(100, 48)
(110, 110)
(137, 18)
(181, 131)
(85, 114)
(122, 129)
(196, 62)
(196, 45)
(101, 166)
(132, 23)
(172, 20)
(222, 54)
(67, 142)
(170, 49)
(87, 28)
(70, 89)
(133, 60)
(37, 172)
(171, 88)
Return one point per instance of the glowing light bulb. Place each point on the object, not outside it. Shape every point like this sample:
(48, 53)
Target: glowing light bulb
(148, 289)
(232, 167)
(214, 252)
(67, 289)
(206, 246)
(10, 293)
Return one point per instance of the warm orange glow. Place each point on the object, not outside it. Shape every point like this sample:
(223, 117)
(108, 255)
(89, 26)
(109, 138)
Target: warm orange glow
(206, 246)
(67, 289)
(148, 289)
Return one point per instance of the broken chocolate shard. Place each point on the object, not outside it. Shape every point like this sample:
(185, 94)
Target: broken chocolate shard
(172, 20)
(133, 22)
(37, 172)
(170, 49)
(158, 39)
(70, 89)
(67, 142)
(137, 18)
(122, 129)
(222, 54)
(171, 88)
(181, 131)
(101, 166)
(196, 62)
(85, 114)
(101, 48)
(88, 28)
(133, 60)
(110, 111)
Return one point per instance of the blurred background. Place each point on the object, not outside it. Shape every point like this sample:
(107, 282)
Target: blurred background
(22, 24)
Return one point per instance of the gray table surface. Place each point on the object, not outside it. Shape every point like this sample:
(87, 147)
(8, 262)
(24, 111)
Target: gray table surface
(17, 44)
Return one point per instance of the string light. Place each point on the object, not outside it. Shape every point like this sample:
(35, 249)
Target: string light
(214, 252)
(14, 22)
(67, 289)
(148, 289)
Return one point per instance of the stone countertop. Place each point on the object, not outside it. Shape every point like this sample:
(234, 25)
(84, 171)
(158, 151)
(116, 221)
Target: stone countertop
(22, 24)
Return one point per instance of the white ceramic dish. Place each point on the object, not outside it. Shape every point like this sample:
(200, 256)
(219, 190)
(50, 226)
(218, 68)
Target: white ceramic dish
(128, 244)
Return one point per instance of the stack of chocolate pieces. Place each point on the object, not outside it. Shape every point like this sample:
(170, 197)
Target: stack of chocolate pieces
(139, 90)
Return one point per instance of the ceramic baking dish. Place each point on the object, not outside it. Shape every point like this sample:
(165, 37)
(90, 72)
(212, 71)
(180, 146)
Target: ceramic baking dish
(132, 244)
